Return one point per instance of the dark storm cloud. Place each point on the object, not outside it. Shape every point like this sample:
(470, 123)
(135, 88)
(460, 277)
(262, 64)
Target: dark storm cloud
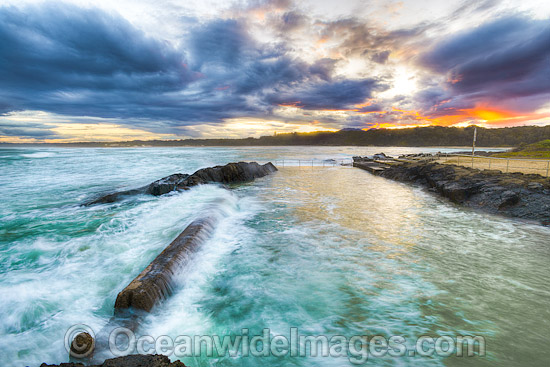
(230, 60)
(75, 61)
(85, 62)
(65, 59)
(506, 58)
(323, 68)
(372, 108)
(329, 95)
(26, 130)
(61, 45)
(224, 42)
(262, 74)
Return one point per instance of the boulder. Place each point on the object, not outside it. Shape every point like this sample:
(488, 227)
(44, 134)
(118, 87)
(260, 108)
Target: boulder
(381, 156)
(230, 173)
(166, 184)
(116, 196)
(535, 186)
(508, 198)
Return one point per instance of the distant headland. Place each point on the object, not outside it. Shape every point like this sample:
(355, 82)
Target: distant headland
(410, 137)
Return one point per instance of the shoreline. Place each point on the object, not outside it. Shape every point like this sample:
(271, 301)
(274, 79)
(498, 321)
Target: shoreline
(515, 195)
(85, 145)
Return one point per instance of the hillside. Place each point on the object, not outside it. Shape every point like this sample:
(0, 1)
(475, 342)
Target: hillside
(412, 137)
(539, 149)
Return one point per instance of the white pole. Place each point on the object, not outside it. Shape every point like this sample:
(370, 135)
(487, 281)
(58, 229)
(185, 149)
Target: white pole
(474, 143)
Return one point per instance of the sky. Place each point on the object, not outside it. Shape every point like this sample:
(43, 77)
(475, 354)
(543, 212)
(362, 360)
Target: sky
(133, 69)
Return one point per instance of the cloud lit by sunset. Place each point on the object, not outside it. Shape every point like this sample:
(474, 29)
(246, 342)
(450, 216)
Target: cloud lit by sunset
(125, 70)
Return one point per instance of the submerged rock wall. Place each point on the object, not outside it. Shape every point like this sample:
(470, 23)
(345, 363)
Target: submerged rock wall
(156, 282)
(510, 194)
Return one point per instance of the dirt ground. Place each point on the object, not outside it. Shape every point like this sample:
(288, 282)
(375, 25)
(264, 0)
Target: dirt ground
(537, 166)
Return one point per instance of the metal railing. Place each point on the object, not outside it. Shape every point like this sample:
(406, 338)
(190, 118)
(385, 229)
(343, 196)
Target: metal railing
(312, 162)
(505, 165)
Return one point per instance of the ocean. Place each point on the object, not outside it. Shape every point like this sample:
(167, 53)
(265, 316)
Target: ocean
(327, 251)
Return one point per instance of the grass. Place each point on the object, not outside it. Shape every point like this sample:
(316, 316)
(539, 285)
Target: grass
(539, 150)
(535, 155)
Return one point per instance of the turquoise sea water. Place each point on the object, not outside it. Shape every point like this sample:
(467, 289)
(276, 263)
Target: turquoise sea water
(327, 250)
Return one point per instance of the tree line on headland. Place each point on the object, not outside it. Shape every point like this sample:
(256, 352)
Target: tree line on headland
(419, 136)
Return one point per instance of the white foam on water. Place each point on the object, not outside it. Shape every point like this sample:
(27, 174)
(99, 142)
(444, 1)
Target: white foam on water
(62, 281)
(179, 314)
(39, 155)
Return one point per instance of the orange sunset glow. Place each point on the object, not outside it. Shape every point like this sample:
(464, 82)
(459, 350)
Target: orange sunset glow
(246, 69)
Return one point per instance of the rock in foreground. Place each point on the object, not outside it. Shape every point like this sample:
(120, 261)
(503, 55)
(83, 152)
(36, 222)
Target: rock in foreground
(137, 360)
(231, 173)
(510, 194)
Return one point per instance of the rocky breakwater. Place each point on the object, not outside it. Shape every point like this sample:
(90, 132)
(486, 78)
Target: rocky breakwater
(525, 196)
(158, 280)
(127, 361)
(374, 164)
(231, 173)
